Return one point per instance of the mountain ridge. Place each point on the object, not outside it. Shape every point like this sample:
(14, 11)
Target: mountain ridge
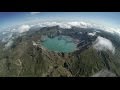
(25, 59)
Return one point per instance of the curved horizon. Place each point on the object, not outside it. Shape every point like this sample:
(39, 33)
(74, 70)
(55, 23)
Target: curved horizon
(9, 19)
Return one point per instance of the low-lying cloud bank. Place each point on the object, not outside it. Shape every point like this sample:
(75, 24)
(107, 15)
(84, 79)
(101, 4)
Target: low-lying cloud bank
(65, 25)
(80, 24)
(103, 44)
(23, 28)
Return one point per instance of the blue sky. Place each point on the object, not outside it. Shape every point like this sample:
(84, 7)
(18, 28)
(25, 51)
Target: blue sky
(15, 18)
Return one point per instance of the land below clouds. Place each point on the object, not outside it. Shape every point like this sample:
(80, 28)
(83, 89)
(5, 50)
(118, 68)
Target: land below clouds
(27, 56)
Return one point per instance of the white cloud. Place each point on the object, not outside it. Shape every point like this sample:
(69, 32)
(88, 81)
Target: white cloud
(80, 24)
(92, 34)
(23, 28)
(70, 24)
(50, 24)
(74, 23)
(103, 44)
(33, 13)
(66, 25)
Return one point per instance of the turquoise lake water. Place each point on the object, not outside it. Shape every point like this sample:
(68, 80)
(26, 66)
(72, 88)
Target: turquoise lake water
(60, 44)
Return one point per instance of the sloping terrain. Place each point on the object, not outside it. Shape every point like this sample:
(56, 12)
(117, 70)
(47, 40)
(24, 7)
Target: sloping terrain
(25, 59)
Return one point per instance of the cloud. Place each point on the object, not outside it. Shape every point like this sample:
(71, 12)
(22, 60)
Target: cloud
(23, 28)
(33, 13)
(50, 24)
(103, 44)
(92, 34)
(66, 25)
